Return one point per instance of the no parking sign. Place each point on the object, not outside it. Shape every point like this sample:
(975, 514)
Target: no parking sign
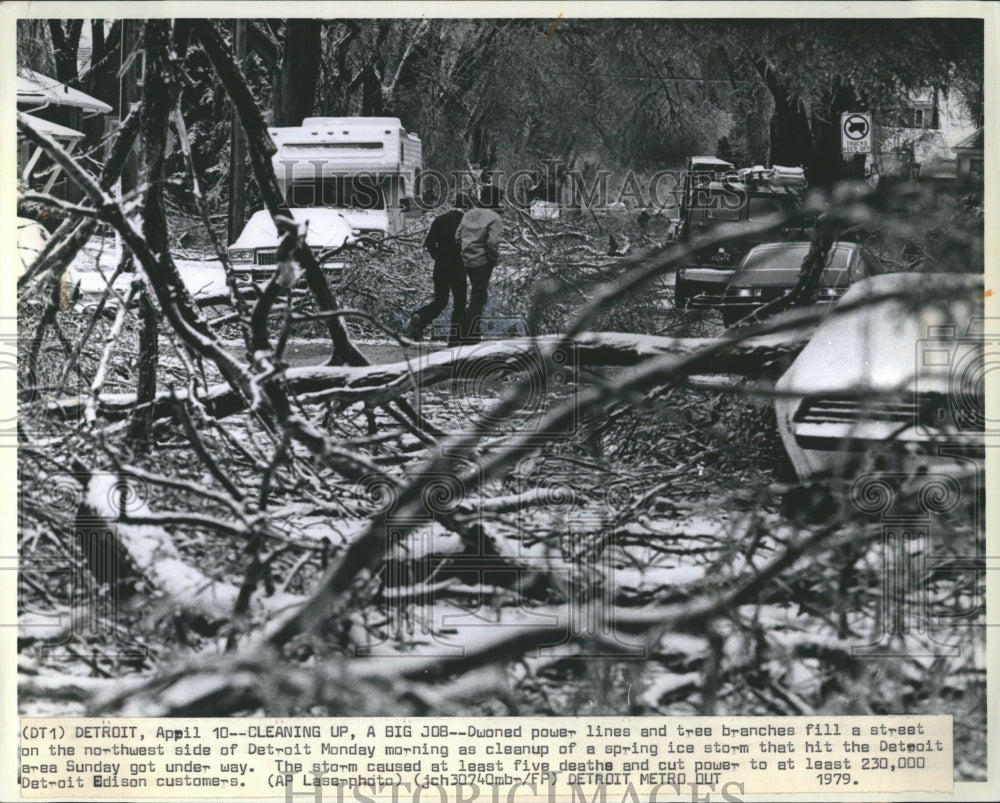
(856, 132)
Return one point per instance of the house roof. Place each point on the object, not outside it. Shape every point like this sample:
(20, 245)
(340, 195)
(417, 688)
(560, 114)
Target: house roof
(53, 129)
(38, 89)
(973, 142)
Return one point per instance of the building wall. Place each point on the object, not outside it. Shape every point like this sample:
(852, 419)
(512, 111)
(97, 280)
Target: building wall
(925, 145)
(970, 169)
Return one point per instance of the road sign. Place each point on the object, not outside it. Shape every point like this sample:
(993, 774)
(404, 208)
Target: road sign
(856, 132)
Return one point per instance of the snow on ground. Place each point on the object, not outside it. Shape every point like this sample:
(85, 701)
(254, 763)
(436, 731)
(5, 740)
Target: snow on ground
(96, 263)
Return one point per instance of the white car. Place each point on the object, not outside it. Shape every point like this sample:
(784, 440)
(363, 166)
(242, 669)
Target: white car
(891, 383)
(255, 251)
(31, 239)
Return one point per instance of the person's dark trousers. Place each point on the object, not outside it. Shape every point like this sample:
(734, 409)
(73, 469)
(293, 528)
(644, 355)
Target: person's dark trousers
(449, 277)
(479, 279)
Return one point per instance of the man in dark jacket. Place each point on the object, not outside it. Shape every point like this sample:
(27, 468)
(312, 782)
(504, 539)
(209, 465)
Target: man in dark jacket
(478, 237)
(449, 273)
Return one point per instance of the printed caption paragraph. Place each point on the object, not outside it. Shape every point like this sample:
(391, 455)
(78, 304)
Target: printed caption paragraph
(465, 759)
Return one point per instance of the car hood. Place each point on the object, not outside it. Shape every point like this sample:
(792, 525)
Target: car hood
(366, 219)
(31, 240)
(325, 228)
(784, 277)
(882, 345)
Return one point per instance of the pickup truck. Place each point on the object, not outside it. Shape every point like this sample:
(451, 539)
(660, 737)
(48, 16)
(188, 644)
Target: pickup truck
(721, 201)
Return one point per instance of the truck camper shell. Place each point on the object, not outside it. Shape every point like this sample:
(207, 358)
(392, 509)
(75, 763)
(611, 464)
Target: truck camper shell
(362, 170)
(325, 147)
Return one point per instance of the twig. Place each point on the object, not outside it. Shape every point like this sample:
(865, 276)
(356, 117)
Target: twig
(110, 342)
(203, 454)
(108, 291)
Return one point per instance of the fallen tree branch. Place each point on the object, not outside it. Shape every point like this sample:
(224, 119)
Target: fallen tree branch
(654, 373)
(148, 551)
(377, 384)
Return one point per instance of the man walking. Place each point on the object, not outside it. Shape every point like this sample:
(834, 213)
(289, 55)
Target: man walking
(449, 273)
(478, 237)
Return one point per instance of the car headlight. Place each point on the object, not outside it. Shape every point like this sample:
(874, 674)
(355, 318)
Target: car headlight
(746, 292)
(241, 255)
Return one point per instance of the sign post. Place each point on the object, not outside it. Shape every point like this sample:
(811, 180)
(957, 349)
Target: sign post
(856, 132)
(855, 141)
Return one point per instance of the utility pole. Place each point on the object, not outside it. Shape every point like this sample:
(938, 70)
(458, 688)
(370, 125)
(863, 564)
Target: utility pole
(237, 146)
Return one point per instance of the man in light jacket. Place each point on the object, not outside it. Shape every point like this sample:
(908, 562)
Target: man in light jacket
(478, 238)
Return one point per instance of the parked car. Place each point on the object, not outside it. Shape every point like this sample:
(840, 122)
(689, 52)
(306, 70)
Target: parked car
(718, 200)
(254, 253)
(32, 237)
(895, 382)
(769, 271)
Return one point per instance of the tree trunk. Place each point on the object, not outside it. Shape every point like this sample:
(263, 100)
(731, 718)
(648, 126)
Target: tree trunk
(827, 164)
(141, 426)
(129, 94)
(295, 83)
(154, 120)
(66, 43)
(237, 146)
(791, 140)
(371, 92)
(101, 79)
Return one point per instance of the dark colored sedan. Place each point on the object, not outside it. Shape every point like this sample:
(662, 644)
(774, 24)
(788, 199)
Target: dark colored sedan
(769, 271)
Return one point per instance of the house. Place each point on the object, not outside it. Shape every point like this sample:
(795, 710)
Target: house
(921, 139)
(969, 171)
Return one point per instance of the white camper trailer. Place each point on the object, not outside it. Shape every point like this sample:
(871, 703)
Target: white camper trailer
(361, 170)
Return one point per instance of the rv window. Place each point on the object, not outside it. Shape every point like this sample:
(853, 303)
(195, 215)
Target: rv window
(352, 192)
(339, 146)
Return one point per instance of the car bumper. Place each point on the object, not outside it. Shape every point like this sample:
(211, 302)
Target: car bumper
(872, 435)
(835, 449)
(701, 288)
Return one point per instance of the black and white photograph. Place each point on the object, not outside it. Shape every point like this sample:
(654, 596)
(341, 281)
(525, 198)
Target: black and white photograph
(444, 364)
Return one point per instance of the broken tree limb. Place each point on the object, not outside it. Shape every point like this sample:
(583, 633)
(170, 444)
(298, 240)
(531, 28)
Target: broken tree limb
(159, 268)
(652, 374)
(377, 384)
(119, 551)
(260, 148)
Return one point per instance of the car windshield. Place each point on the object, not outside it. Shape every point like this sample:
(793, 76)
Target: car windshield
(791, 258)
(765, 210)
